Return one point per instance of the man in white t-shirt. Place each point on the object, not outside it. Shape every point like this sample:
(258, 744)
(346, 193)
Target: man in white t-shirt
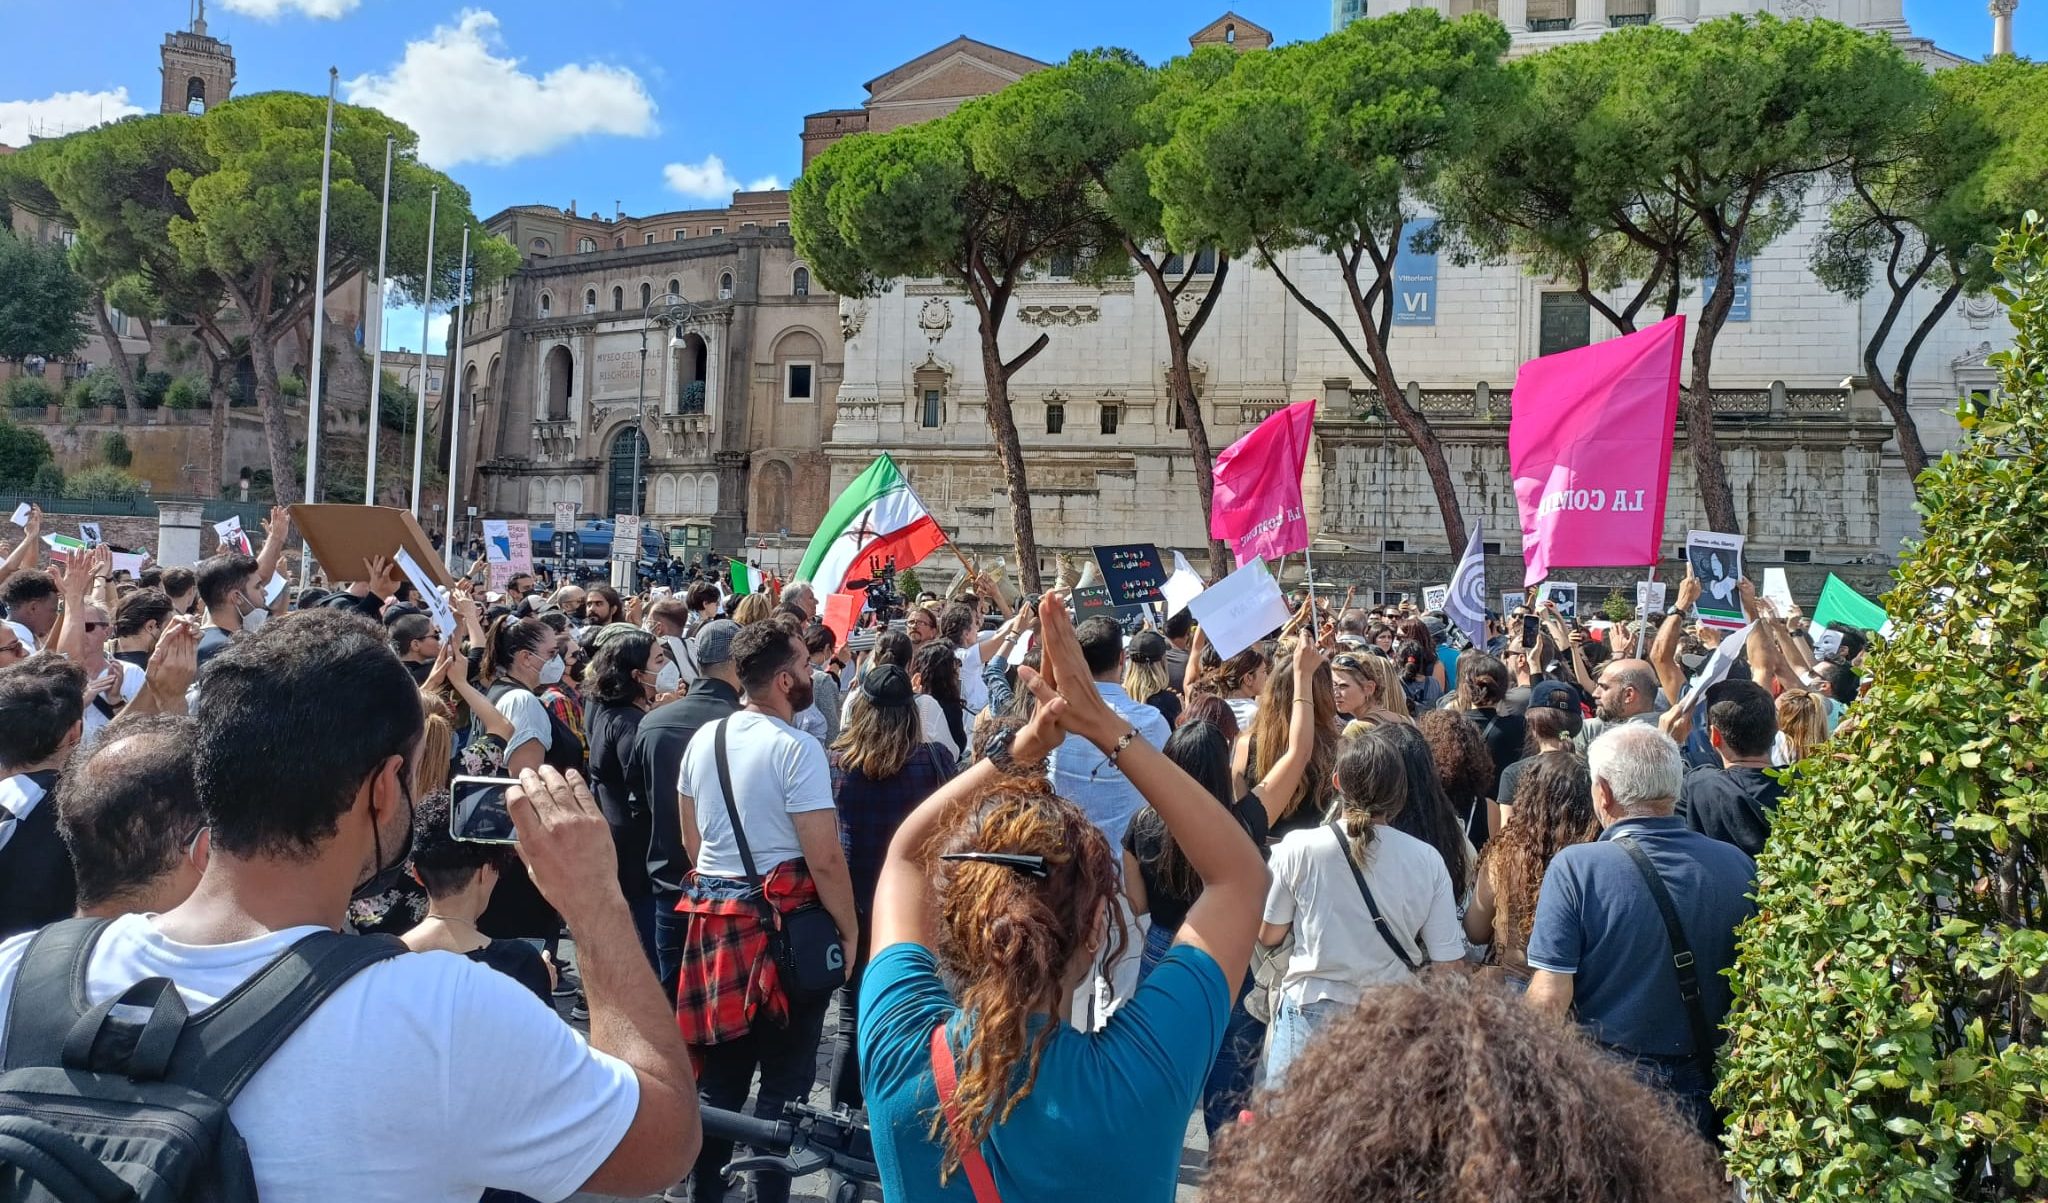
(425, 1078)
(782, 792)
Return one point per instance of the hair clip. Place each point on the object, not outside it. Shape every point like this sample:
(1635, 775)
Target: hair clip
(1034, 865)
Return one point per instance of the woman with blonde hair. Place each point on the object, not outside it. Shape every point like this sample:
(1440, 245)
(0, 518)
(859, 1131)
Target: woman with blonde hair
(1362, 682)
(1265, 742)
(1145, 676)
(995, 900)
(753, 608)
(1802, 726)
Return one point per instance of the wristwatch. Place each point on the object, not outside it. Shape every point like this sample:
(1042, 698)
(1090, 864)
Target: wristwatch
(998, 749)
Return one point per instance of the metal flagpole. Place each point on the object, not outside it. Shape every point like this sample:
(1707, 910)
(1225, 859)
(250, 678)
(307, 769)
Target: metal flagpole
(419, 431)
(1643, 620)
(319, 324)
(377, 352)
(1308, 564)
(453, 409)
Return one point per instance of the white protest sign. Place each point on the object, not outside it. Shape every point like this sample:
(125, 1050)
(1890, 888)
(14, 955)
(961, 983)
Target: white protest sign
(497, 540)
(1510, 602)
(1182, 587)
(276, 586)
(21, 515)
(1563, 594)
(1434, 596)
(1777, 590)
(430, 593)
(1240, 609)
(1715, 670)
(1649, 597)
(232, 536)
(130, 563)
(90, 532)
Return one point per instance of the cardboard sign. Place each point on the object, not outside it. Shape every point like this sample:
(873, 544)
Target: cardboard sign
(1434, 596)
(842, 611)
(430, 594)
(1777, 590)
(1184, 586)
(1716, 560)
(1564, 593)
(519, 536)
(345, 538)
(1132, 573)
(1241, 609)
(232, 537)
(1649, 598)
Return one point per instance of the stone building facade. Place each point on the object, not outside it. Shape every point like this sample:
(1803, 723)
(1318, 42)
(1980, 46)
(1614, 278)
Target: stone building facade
(738, 379)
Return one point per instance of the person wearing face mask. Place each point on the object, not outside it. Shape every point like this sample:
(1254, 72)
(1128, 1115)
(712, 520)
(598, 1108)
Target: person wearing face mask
(42, 709)
(232, 594)
(520, 658)
(305, 760)
(629, 673)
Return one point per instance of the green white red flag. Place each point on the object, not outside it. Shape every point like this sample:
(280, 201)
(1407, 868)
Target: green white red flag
(877, 520)
(746, 578)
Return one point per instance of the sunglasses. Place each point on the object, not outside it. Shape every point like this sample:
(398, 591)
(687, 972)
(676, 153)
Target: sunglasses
(97, 626)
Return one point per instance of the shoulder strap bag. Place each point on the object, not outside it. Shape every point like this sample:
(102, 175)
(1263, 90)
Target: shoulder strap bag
(1371, 904)
(809, 954)
(1682, 961)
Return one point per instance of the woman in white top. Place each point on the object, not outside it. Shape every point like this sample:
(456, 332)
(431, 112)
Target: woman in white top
(1339, 952)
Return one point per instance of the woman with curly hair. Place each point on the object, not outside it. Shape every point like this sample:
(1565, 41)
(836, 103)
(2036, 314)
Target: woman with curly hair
(753, 608)
(935, 673)
(992, 904)
(1802, 726)
(1553, 810)
(1322, 878)
(1465, 770)
(1292, 695)
(1448, 1091)
(1427, 813)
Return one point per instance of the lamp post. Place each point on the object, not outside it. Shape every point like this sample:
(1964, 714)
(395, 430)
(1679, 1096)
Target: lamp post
(668, 310)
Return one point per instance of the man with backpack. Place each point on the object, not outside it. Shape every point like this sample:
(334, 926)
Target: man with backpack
(349, 1069)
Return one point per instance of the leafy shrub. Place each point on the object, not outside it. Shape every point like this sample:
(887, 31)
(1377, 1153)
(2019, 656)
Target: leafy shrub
(1887, 1040)
(48, 480)
(293, 387)
(104, 388)
(102, 481)
(1619, 606)
(395, 404)
(22, 451)
(78, 394)
(150, 388)
(185, 392)
(114, 449)
(908, 585)
(29, 392)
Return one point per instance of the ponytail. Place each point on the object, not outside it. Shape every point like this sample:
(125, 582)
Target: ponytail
(508, 637)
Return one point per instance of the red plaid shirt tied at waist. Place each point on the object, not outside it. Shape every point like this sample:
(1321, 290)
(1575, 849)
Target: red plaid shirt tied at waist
(728, 976)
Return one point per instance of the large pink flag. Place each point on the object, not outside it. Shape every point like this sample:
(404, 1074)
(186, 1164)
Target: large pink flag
(1258, 486)
(1590, 443)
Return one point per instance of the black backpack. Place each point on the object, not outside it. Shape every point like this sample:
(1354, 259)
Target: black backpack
(97, 1107)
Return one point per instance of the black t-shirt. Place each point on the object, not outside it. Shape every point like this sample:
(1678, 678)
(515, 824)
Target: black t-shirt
(519, 961)
(1144, 839)
(1167, 703)
(1733, 805)
(1505, 735)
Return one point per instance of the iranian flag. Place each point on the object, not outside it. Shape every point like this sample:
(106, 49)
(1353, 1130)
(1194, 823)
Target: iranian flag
(746, 578)
(877, 519)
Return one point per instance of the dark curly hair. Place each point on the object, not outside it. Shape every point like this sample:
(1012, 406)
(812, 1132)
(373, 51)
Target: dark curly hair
(614, 670)
(1553, 810)
(1450, 1090)
(1463, 765)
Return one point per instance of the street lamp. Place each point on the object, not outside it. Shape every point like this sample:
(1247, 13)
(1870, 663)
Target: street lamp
(673, 312)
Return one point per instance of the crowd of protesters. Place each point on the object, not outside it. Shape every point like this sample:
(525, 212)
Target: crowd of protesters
(1338, 893)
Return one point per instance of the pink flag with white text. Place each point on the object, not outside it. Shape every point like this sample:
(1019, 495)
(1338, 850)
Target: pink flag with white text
(1257, 505)
(1590, 445)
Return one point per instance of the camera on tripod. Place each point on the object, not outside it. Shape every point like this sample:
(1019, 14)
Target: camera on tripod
(884, 600)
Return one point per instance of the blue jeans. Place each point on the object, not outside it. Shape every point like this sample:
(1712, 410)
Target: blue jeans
(669, 930)
(1294, 1024)
(1235, 1070)
(1681, 1079)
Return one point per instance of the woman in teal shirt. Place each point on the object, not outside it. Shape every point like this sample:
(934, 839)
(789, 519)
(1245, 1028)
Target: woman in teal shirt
(992, 907)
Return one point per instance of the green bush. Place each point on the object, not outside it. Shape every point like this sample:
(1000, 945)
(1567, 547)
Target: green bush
(78, 394)
(29, 392)
(114, 449)
(101, 480)
(293, 387)
(104, 388)
(186, 392)
(1619, 606)
(908, 585)
(150, 388)
(395, 404)
(48, 480)
(22, 451)
(1887, 1040)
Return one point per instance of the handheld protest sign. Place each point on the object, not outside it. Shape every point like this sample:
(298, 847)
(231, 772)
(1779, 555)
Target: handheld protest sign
(1716, 559)
(1649, 598)
(1241, 609)
(1563, 594)
(1090, 601)
(346, 538)
(1132, 573)
(1434, 597)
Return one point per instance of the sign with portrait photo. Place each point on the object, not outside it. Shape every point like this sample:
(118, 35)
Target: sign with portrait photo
(1716, 561)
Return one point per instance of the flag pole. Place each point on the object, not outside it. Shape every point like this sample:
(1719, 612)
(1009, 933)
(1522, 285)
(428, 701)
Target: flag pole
(1308, 562)
(451, 394)
(419, 432)
(377, 352)
(319, 313)
(1643, 620)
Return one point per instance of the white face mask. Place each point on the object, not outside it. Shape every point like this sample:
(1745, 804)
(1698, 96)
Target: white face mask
(253, 620)
(669, 679)
(551, 672)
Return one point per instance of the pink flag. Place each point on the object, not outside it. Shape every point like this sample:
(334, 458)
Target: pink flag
(1258, 486)
(1590, 442)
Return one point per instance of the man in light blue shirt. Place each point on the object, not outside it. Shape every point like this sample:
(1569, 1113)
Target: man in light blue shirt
(1080, 772)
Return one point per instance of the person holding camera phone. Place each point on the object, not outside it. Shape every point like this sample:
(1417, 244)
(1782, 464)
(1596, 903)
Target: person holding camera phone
(760, 827)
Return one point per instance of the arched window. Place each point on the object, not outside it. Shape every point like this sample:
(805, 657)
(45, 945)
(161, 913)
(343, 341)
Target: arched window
(585, 245)
(547, 304)
(725, 286)
(560, 380)
(800, 282)
(618, 298)
(675, 289)
(619, 243)
(195, 95)
(590, 300)
(627, 447)
(646, 295)
(540, 247)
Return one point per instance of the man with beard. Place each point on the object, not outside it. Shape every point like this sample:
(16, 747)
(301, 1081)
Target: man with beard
(419, 1077)
(758, 770)
(1624, 692)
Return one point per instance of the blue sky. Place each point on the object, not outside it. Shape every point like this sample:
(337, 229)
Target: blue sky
(654, 106)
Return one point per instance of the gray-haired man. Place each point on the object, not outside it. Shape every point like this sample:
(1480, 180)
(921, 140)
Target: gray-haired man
(1600, 945)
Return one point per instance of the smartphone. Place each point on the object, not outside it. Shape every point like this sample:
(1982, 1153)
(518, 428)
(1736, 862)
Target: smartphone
(476, 811)
(1530, 628)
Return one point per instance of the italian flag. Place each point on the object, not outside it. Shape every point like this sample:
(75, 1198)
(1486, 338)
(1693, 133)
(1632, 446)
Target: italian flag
(746, 578)
(877, 519)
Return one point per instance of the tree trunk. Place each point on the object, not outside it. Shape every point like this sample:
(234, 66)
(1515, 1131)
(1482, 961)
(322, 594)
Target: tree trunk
(285, 484)
(1696, 405)
(1002, 423)
(1180, 382)
(217, 434)
(124, 368)
(1893, 393)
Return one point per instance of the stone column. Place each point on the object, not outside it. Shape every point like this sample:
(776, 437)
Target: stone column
(177, 532)
(1515, 15)
(2001, 25)
(1592, 14)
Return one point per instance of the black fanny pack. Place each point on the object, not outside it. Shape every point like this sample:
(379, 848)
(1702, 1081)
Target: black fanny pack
(810, 955)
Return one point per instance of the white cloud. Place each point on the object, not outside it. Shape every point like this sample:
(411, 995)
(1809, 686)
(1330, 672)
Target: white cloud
(64, 113)
(271, 10)
(471, 105)
(710, 180)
